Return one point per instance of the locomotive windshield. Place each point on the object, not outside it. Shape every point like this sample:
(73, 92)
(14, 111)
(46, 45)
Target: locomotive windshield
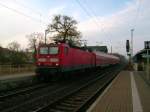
(53, 50)
(44, 50)
(49, 50)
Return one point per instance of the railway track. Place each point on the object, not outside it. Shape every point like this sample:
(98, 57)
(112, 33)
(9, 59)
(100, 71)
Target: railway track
(22, 91)
(46, 96)
(78, 99)
(50, 97)
(18, 98)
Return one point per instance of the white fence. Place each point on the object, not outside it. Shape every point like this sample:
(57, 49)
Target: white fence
(143, 67)
(148, 73)
(9, 69)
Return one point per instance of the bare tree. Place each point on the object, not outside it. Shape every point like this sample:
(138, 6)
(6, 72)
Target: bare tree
(64, 29)
(13, 46)
(34, 40)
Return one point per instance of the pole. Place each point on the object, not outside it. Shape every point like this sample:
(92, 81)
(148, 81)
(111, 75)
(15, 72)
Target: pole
(46, 32)
(131, 50)
(111, 49)
(132, 44)
(45, 36)
(148, 75)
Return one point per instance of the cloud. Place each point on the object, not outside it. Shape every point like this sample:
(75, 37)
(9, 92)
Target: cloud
(56, 10)
(17, 21)
(14, 26)
(111, 30)
(115, 28)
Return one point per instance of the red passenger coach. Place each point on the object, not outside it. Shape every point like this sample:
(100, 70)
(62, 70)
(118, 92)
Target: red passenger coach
(57, 58)
(103, 59)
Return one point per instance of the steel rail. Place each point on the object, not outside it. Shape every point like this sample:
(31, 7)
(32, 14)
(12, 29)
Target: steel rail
(59, 105)
(23, 91)
(52, 95)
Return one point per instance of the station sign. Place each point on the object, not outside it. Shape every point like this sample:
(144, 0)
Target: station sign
(147, 44)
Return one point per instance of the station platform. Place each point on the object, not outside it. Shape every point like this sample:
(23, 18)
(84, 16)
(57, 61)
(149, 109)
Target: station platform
(128, 92)
(16, 75)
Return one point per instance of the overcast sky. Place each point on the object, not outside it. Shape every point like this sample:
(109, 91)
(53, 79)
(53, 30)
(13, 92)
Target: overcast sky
(102, 22)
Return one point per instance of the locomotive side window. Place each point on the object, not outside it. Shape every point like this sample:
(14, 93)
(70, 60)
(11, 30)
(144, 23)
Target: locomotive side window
(66, 51)
(44, 50)
(53, 50)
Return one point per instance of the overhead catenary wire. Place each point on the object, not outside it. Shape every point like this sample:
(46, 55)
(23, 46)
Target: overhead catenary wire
(135, 25)
(31, 9)
(92, 14)
(23, 14)
(137, 13)
(87, 12)
(27, 7)
(98, 20)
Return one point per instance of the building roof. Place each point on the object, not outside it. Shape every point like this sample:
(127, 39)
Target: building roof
(98, 48)
(139, 56)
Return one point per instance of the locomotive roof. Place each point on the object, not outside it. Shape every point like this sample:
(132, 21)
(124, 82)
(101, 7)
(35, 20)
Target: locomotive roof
(85, 48)
(62, 44)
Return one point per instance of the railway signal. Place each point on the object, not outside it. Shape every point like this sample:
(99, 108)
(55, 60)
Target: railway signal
(128, 47)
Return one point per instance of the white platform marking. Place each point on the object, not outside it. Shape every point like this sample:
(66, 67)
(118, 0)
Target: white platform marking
(137, 107)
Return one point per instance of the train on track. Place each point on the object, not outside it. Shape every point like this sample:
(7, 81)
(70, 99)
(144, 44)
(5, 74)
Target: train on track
(56, 59)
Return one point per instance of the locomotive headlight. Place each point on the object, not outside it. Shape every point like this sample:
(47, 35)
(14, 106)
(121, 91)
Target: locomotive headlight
(42, 59)
(54, 59)
(57, 64)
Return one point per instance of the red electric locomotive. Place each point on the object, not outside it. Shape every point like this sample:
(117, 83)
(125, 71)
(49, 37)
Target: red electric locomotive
(61, 58)
(58, 58)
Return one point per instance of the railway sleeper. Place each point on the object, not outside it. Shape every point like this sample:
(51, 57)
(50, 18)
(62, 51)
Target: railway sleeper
(84, 94)
(55, 110)
(69, 104)
(80, 98)
(64, 108)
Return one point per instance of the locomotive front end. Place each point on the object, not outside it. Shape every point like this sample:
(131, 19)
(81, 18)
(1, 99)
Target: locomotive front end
(47, 62)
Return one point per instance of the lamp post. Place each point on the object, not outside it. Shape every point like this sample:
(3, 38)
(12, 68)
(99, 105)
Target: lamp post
(132, 45)
(46, 31)
(111, 49)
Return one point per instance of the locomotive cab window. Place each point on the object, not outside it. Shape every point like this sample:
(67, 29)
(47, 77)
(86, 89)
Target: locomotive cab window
(53, 50)
(44, 50)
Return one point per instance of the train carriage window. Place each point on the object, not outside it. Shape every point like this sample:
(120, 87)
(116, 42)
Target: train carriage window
(44, 50)
(53, 50)
(66, 51)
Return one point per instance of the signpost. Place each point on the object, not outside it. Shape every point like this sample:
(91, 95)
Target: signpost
(147, 47)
